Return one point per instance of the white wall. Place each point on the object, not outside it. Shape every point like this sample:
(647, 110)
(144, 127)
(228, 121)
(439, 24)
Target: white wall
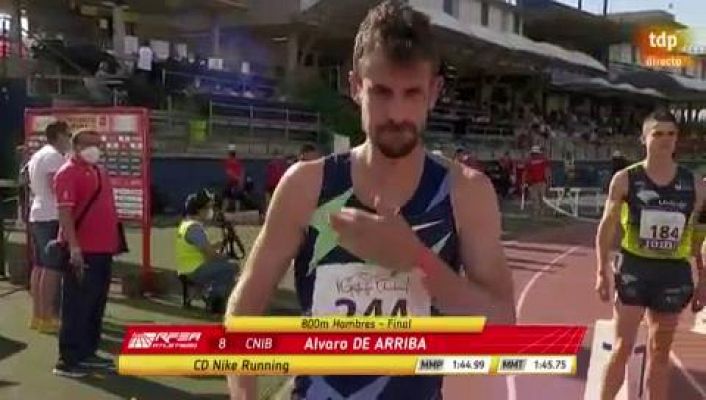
(496, 18)
(500, 18)
(469, 12)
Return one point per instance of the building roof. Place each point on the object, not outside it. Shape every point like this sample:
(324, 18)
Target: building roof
(514, 42)
(647, 17)
(598, 85)
(548, 20)
(675, 87)
(162, 6)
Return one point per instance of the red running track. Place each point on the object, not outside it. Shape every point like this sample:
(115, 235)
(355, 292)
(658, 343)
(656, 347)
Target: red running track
(553, 273)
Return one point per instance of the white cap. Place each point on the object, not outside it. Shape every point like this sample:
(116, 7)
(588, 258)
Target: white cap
(535, 149)
(617, 153)
(231, 147)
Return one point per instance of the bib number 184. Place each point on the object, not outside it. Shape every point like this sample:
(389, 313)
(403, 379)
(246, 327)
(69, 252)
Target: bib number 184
(374, 309)
(664, 232)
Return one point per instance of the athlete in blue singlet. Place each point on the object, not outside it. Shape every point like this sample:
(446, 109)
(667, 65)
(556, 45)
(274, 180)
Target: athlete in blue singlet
(330, 280)
(384, 229)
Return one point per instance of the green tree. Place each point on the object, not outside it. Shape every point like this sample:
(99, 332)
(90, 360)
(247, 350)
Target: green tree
(338, 113)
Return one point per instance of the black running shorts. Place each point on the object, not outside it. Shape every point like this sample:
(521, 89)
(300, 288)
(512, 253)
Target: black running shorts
(659, 285)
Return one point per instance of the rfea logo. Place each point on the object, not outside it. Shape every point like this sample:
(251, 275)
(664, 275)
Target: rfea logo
(164, 340)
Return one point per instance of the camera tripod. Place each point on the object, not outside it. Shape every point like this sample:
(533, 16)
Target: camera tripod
(230, 241)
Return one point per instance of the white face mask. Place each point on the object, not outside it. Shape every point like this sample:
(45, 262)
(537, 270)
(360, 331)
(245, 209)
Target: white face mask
(209, 214)
(91, 154)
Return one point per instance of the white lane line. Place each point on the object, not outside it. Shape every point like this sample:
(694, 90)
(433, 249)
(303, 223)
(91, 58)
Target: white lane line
(689, 377)
(536, 276)
(511, 388)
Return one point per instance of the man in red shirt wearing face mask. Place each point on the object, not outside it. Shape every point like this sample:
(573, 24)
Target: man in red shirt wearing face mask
(88, 223)
(535, 176)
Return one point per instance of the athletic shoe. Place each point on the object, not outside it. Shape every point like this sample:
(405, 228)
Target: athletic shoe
(69, 371)
(97, 362)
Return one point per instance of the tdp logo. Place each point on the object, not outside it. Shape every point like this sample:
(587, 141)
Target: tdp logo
(664, 40)
(164, 340)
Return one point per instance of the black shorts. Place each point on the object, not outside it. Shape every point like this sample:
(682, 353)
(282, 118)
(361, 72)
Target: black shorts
(660, 285)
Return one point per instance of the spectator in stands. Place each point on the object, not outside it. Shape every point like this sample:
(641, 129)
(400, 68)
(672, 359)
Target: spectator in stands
(103, 70)
(536, 176)
(84, 191)
(308, 152)
(507, 164)
(198, 258)
(44, 225)
(145, 58)
(274, 171)
(569, 169)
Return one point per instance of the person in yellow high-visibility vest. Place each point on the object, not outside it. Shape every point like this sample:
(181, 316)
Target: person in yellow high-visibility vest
(197, 258)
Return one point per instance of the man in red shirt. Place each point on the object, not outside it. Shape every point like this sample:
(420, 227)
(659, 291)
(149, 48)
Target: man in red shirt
(88, 224)
(535, 176)
(235, 180)
(274, 171)
(235, 173)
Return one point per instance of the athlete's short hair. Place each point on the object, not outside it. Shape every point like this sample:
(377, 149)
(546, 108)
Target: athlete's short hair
(404, 35)
(55, 129)
(660, 115)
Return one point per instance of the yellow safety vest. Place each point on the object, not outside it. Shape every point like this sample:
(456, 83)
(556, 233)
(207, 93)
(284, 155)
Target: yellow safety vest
(188, 256)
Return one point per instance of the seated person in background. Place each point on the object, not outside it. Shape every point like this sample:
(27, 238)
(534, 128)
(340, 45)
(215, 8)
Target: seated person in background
(198, 258)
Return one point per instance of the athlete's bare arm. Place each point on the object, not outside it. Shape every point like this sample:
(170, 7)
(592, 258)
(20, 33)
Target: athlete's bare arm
(487, 288)
(607, 229)
(292, 204)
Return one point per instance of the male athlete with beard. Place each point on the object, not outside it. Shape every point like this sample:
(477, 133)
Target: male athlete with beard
(386, 209)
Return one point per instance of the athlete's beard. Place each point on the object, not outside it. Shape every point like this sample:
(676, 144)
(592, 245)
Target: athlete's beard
(396, 140)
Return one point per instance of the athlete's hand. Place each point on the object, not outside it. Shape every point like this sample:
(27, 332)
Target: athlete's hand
(699, 300)
(603, 286)
(385, 238)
